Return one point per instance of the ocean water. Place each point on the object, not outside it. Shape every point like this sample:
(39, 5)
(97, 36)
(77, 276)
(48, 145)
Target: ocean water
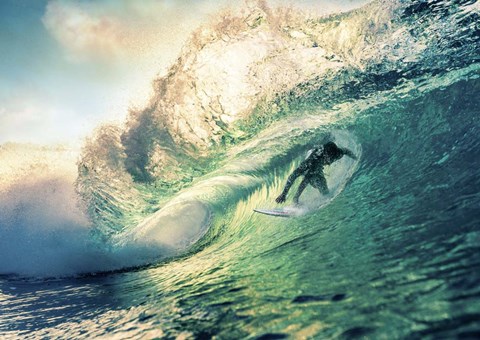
(393, 252)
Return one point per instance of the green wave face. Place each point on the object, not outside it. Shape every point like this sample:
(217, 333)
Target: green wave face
(280, 81)
(203, 146)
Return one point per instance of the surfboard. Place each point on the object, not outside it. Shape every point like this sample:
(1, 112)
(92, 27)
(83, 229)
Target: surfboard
(281, 212)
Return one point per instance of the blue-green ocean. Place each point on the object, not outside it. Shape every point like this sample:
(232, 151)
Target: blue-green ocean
(393, 253)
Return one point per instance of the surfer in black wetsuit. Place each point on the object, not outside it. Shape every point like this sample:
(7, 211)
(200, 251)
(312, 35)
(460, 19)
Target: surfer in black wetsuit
(312, 169)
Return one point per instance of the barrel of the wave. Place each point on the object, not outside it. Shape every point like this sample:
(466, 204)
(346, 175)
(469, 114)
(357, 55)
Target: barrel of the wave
(337, 175)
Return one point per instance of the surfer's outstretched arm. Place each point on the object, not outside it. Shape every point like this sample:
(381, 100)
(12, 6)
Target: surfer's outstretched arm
(291, 179)
(349, 153)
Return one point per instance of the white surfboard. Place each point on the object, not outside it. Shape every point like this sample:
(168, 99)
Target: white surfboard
(282, 212)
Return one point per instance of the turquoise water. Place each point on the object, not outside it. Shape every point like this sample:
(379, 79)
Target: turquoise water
(394, 253)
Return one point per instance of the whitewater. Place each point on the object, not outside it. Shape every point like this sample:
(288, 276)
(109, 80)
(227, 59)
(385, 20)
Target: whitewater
(149, 231)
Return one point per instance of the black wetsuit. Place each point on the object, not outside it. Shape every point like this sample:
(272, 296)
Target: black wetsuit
(312, 170)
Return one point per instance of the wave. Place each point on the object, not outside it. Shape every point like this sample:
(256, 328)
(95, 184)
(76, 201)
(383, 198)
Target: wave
(249, 94)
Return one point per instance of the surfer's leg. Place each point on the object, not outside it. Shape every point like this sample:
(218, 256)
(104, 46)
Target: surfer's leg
(301, 187)
(320, 183)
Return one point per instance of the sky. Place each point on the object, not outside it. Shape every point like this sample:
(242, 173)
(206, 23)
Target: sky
(66, 66)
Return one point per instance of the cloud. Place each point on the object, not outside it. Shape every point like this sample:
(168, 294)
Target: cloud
(32, 115)
(123, 30)
(23, 124)
(84, 35)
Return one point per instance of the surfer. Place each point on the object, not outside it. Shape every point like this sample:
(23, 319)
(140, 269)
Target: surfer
(312, 169)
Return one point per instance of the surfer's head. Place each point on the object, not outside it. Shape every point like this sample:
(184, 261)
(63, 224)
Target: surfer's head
(330, 147)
